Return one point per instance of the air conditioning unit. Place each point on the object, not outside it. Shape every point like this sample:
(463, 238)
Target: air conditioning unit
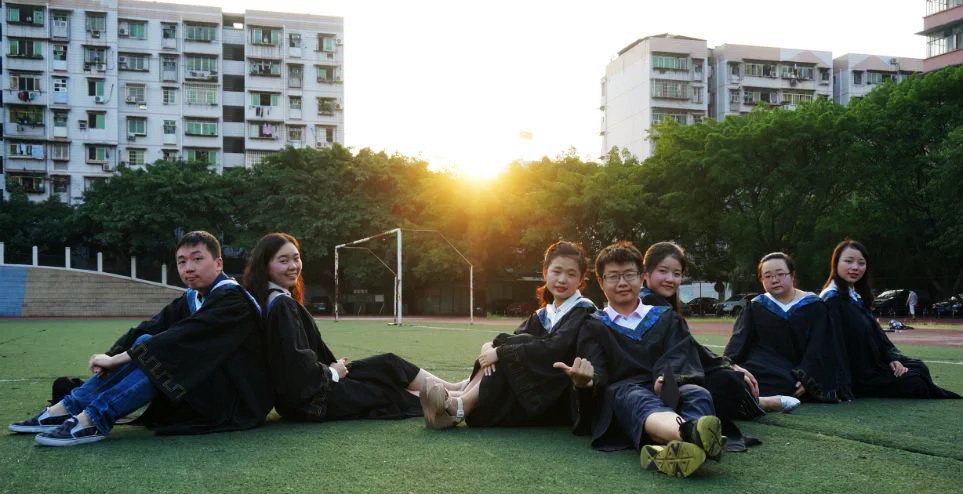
(338, 42)
(122, 31)
(101, 67)
(82, 124)
(95, 34)
(108, 167)
(131, 137)
(122, 62)
(131, 99)
(100, 99)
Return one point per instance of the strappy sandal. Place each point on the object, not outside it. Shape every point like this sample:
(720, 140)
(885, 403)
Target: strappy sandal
(434, 399)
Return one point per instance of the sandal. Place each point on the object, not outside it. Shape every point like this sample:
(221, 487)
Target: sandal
(434, 405)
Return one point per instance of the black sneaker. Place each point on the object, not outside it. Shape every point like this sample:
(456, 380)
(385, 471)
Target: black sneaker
(42, 422)
(706, 432)
(69, 434)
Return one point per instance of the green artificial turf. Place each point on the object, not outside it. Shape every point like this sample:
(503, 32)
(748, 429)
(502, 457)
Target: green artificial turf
(869, 445)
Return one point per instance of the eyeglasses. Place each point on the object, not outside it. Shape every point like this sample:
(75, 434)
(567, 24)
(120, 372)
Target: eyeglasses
(774, 276)
(628, 276)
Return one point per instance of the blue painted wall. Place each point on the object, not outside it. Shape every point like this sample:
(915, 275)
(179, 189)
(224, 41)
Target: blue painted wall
(13, 286)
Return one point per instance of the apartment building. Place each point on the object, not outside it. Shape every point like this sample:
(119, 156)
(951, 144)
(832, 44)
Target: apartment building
(743, 77)
(855, 74)
(655, 78)
(90, 85)
(943, 28)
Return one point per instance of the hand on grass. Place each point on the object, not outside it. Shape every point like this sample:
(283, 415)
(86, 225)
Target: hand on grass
(749, 379)
(800, 390)
(581, 372)
(898, 368)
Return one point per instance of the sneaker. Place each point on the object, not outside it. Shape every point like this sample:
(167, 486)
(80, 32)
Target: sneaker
(69, 434)
(42, 422)
(678, 458)
(705, 432)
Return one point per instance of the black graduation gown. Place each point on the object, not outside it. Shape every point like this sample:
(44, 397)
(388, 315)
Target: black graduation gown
(731, 396)
(870, 352)
(780, 348)
(208, 366)
(375, 387)
(525, 390)
(660, 344)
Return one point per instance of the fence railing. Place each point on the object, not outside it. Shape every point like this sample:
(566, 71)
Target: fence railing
(35, 262)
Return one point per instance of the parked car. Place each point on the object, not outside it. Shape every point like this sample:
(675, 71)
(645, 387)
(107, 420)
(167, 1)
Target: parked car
(893, 303)
(700, 306)
(735, 304)
(319, 305)
(951, 307)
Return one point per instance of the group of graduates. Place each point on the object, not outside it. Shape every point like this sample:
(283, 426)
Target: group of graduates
(629, 375)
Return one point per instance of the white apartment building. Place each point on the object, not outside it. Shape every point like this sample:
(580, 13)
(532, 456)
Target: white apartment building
(744, 76)
(652, 79)
(89, 85)
(855, 74)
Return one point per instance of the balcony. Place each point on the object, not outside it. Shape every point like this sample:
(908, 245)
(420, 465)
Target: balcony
(263, 51)
(294, 52)
(24, 97)
(170, 139)
(169, 75)
(60, 132)
(24, 130)
(201, 75)
(169, 43)
(60, 29)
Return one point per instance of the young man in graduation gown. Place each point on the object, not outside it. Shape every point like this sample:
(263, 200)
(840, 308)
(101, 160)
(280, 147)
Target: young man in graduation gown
(639, 374)
(199, 363)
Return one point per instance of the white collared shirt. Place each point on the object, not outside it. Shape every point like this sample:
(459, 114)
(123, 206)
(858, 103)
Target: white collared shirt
(555, 314)
(799, 295)
(632, 320)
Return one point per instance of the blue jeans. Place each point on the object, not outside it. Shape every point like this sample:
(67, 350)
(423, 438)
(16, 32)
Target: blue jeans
(635, 402)
(105, 400)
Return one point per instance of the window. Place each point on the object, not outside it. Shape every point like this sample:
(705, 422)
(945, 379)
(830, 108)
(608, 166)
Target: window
(671, 62)
(195, 94)
(96, 23)
(265, 36)
(233, 113)
(26, 183)
(169, 155)
(199, 32)
(134, 61)
(857, 77)
(170, 127)
(169, 95)
(824, 74)
(753, 69)
(660, 116)
(136, 126)
(326, 43)
(264, 99)
(95, 55)
(60, 53)
(265, 67)
(24, 14)
(202, 156)
(26, 115)
(327, 106)
(206, 128)
(95, 87)
(135, 157)
(168, 30)
(61, 183)
(234, 83)
(132, 29)
(326, 73)
(294, 40)
(295, 133)
(96, 120)
(324, 133)
(233, 52)
(24, 48)
(669, 89)
(264, 130)
(294, 102)
(136, 93)
(796, 98)
(60, 118)
(97, 154)
(733, 69)
(697, 95)
(201, 63)
(733, 96)
(874, 78)
(233, 144)
(295, 74)
(25, 150)
(806, 73)
(21, 81)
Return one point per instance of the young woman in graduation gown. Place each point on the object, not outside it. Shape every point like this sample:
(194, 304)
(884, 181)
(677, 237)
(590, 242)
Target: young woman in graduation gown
(513, 382)
(309, 382)
(877, 367)
(784, 338)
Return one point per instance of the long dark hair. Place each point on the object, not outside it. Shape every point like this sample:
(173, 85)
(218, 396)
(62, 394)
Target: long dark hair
(864, 287)
(561, 249)
(659, 252)
(256, 276)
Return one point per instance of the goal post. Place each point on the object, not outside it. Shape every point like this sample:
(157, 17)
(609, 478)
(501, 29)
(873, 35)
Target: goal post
(398, 272)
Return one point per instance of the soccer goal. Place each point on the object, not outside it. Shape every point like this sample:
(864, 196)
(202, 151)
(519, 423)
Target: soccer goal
(398, 271)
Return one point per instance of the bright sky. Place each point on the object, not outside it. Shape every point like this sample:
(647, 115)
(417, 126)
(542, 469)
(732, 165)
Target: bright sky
(456, 83)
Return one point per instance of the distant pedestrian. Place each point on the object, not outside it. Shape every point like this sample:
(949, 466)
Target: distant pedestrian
(911, 301)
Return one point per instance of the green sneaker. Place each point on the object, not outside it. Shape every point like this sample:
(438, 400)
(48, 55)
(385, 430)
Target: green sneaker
(678, 458)
(705, 432)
